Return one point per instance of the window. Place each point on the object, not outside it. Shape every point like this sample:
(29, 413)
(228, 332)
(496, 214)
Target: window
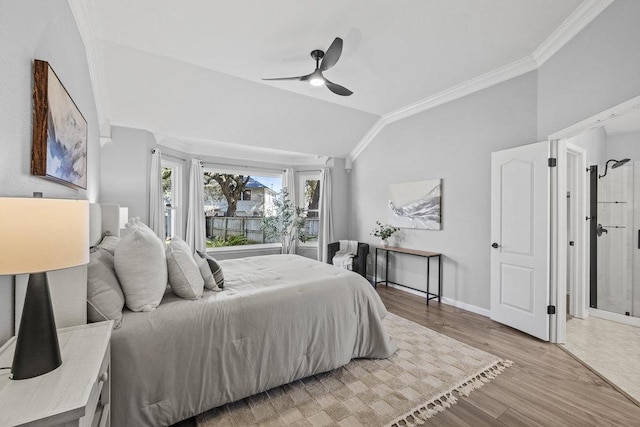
(309, 200)
(235, 202)
(171, 174)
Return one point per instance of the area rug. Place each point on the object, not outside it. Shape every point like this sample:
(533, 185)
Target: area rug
(425, 376)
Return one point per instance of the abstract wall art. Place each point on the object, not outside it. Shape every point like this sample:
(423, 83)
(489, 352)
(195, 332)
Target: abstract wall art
(59, 150)
(415, 204)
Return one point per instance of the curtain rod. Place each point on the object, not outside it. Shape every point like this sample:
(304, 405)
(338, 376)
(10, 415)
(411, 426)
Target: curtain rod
(168, 155)
(309, 170)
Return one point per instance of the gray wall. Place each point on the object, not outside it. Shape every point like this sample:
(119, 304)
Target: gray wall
(126, 162)
(46, 30)
(598, 69)
(453, 142)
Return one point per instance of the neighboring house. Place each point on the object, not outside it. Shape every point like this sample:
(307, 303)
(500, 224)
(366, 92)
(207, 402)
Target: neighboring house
(256, 201)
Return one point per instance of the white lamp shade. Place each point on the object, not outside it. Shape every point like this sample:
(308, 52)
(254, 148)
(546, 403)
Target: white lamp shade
(39, 234)
(124, 216)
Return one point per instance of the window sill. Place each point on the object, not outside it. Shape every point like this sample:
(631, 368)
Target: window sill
(245, 248)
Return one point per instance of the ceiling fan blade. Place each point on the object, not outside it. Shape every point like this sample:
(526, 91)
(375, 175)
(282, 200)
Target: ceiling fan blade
(301, 78)
(332, 55)
(337, 89)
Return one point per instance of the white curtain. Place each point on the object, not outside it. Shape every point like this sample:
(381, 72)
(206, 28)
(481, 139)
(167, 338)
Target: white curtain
(325, 228)
(156, 205)
(289, 182)
(195, 211)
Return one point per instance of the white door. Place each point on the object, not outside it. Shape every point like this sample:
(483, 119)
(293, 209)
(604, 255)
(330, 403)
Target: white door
(520, 211)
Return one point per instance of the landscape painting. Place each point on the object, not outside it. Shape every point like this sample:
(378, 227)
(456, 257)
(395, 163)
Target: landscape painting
(59, 133)
(415, 205)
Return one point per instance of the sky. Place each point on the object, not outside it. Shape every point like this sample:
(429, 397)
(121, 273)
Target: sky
(273, 182)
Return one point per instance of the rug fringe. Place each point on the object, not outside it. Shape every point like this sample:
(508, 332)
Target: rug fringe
(416, 416)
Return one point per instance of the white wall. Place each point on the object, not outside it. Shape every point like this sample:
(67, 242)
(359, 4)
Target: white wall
(453, 142)
(594, 142)
(31, 29)
(621, 146)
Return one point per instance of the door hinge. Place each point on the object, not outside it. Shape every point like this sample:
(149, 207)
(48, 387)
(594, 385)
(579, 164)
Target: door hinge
(553, 162)
(551, 309)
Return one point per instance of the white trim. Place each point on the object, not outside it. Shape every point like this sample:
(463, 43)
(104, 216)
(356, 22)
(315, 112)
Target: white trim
(499, 75)
(579, 297)
(219, 149)
(476, 84)
(598, 119)
(449, 301)
(615, 317)
(575, 23)
(366, 139)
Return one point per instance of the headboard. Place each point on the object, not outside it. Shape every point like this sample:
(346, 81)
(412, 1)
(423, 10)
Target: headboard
(103, 217)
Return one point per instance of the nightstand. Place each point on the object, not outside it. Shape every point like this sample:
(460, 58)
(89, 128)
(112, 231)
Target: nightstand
(75, 394)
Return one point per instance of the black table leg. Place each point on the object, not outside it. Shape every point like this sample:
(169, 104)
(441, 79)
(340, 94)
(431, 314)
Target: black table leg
(386, 269)
(439, 278)
(375, 271)
(428, 277)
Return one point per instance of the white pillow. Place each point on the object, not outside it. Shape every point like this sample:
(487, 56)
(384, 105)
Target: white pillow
(184, 274)
(141, 267)
(205, 271)
(104, 295)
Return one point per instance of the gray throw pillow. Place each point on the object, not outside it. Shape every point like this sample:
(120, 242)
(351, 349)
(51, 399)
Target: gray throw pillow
(184, 274)
(205, 272)
(215, 268)
(109, 243)
(104, 295)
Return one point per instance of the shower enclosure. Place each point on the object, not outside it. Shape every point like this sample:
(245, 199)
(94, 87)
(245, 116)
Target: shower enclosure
(615, 237)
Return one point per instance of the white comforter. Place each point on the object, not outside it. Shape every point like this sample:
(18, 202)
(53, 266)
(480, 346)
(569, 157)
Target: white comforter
(279, 318)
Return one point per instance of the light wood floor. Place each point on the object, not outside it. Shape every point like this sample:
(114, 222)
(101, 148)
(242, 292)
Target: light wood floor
(545, 386)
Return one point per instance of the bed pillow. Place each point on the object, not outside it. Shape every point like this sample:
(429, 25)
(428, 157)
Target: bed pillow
(109, 243)
(184, 274)
(205, 272)
(104, 295)
(141, 268)
(215, 268)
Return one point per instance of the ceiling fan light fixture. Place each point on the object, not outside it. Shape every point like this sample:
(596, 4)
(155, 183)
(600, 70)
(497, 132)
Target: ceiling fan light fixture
(316, 81)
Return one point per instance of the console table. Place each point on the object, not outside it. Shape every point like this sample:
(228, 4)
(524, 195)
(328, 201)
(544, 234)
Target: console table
(415, 252)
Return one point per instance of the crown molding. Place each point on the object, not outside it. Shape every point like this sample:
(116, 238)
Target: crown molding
(598, 120)
(82, 13)
(576, 22)
(229, 150)
(476, 84)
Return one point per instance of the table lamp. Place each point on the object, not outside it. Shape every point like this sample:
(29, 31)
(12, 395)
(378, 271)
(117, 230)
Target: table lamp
(39, 235)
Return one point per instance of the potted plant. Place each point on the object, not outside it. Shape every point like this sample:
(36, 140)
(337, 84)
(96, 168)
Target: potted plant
(287, 223)
(384, 232)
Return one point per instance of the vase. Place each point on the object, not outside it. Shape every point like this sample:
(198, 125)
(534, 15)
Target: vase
(384, 242)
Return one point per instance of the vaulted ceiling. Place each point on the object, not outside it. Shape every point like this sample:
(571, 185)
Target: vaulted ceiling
(192, 68)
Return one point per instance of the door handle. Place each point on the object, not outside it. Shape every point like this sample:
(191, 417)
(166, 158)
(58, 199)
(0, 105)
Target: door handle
(494, 245)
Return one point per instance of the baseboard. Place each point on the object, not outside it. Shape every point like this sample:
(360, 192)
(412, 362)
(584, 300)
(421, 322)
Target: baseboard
(449, 301)
(614, 317)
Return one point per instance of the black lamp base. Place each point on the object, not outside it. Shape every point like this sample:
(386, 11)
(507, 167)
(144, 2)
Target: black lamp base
(37, 349)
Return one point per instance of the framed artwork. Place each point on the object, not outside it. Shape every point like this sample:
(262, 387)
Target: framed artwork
(59, 150)
(415, 205)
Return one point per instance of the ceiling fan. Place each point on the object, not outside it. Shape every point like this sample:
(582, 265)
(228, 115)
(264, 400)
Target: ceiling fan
(329, 59)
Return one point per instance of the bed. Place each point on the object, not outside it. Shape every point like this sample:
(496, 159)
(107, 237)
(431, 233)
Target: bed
(280, 318)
